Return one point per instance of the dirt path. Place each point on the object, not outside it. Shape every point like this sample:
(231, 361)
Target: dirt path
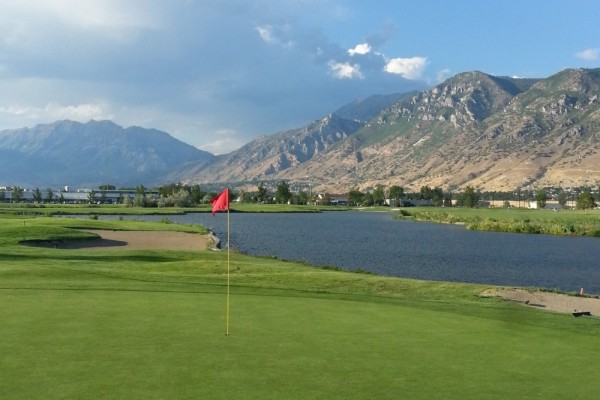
(548, 301)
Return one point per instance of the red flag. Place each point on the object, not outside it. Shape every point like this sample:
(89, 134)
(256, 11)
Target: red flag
(220, 202)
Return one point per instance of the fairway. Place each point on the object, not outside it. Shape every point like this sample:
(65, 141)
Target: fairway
(150, 325)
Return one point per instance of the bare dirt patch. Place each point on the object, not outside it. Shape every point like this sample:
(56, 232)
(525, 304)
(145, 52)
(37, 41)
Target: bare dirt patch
(556, 302)
(112, 240)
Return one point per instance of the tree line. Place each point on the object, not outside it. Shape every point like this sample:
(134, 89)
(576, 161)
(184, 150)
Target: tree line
(183, 195)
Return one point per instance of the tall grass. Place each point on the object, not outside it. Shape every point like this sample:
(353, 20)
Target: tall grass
(571, 222)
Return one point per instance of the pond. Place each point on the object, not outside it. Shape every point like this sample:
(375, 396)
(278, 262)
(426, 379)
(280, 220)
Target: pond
(377, 243)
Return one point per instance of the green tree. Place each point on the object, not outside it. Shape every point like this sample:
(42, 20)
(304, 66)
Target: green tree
(141, 200)
(2, 194)
(562, 198)
(326, 200)
(541, 198)
(585, 200)
(437, 197)
(283, 194)
(447, 200)
(102, 196)
(196, 194)
(378, 196)
(91, 197)
(181, 198)
(247, 197)
(426, 193)
(37, 195)
(263, 194)
(17, 194)
(368, 200)
(396, 193)
(106, 187)
(355, 197)
(49, 195)
(61, 198)
(470, 198)
(303, 197)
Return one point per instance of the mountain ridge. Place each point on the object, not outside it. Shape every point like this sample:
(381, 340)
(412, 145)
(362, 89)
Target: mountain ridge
(98, 152)
(493, 133)
(489, 132)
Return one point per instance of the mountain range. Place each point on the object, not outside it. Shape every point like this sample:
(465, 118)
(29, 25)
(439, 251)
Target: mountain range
(88, 155)
(492, 133)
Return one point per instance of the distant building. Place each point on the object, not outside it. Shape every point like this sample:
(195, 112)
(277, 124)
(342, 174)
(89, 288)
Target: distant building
(79, 196)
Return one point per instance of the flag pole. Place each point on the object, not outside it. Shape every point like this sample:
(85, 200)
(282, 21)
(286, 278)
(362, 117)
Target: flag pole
(228, 268)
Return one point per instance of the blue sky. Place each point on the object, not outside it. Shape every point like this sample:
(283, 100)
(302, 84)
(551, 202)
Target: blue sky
(217, 73)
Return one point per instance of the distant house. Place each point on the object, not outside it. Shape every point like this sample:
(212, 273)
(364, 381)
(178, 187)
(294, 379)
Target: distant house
(550, 205)
(334, 199)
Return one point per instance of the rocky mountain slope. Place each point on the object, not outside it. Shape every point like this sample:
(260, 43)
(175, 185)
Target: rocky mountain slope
(98, 152)
(493, 133)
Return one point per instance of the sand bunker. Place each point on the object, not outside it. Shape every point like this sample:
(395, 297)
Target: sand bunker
(548, 301)
(111, 240)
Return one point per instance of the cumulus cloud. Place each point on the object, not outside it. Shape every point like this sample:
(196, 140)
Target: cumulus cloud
(588, 54)
(409, 68)
(363, 48)
(185, 66)
(345, 70)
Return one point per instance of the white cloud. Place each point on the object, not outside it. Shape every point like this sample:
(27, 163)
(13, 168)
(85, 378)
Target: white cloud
(363, 48)
(409, 68)
(266, 33)
(226, 141)
(345, 70)
(24, 20)
(55, 111)
(442, 75)
(588, 54)
(275, 35)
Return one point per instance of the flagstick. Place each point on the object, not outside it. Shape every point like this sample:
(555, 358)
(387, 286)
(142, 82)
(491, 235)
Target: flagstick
(228, 268)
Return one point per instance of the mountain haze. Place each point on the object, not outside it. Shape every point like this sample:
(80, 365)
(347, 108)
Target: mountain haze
(98, 152)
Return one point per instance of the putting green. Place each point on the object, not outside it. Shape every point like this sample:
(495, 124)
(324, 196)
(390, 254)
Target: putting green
(143, 344)
(151, 325)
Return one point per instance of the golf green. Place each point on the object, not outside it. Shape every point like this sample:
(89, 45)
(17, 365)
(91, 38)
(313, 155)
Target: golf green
(150, 324)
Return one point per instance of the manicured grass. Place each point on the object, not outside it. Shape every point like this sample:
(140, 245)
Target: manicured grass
(131, 324)
(565, 222)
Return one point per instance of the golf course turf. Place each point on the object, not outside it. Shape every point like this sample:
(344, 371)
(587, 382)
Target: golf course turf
(150, 324)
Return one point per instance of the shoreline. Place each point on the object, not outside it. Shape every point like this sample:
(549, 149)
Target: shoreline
(170, 240)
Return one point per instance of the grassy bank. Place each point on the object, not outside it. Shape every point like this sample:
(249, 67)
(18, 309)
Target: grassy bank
(566, 222)
(150, 325)
(117, 209)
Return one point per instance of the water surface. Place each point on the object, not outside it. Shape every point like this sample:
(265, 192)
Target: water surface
(375, 242)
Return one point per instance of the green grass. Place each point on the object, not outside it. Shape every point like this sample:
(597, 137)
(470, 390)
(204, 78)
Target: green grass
(566, 222)
(21, 209)
(128, 324)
